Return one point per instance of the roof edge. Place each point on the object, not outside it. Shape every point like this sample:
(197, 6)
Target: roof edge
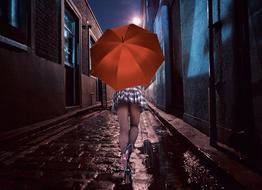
(94, 16)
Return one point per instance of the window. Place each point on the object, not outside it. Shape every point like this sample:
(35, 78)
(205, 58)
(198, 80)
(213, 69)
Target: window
(91, 43)
(14, 19)
(70, 36)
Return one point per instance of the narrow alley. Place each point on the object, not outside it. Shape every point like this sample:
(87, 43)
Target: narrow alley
(194, 67)
(84, 154)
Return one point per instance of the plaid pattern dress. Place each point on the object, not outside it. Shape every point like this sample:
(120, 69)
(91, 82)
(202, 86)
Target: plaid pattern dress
(129, 95)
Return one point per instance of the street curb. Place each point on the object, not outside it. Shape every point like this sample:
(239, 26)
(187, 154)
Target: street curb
(15, 134)
(245, 177)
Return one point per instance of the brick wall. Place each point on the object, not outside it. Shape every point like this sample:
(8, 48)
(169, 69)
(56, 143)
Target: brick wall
(47, 29)
(86, 14)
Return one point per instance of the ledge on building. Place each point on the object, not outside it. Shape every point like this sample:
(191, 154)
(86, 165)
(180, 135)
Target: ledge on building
(13, 43)
(43, 125)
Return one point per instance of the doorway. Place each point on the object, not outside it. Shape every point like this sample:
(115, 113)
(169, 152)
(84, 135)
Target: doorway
(71, 54)
(99, 90)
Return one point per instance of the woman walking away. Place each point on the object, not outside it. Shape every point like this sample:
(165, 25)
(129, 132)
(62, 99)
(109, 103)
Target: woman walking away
(128, 102)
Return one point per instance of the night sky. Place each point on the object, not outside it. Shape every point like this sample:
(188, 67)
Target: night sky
(113, 13)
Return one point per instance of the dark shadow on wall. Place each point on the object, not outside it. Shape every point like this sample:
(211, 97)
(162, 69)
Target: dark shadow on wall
(223, 61)
(234, 101)
(195, 76)
(186, 33)
(177, 107)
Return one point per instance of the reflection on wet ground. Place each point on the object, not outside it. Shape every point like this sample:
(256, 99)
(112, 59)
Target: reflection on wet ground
(84, 154)
(161, 161)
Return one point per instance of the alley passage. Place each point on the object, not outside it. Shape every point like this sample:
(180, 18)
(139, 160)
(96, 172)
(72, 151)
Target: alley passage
(85, 155)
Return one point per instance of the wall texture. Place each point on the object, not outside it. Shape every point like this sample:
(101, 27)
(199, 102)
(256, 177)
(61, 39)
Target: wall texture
(194, 37)
(255, 31)
(32, 88)
(237, 63)
(32, 78)
(32, 81)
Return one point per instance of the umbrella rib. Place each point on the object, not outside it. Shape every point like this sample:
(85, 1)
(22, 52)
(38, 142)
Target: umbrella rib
(113, 33)
(160, 53)
(110, 32)
(127, 31)
(108, 53)
(135, 40)
(148, 48)
(116, 72)
(137, 63)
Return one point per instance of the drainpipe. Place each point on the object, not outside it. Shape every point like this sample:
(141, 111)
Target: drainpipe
(165, 22)
(211, 89)
(104, 95)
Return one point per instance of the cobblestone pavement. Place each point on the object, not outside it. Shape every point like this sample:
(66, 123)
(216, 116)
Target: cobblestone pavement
(85, 155)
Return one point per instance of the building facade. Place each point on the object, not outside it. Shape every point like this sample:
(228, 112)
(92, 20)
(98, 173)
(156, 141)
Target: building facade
(45, 59)
(183, 27)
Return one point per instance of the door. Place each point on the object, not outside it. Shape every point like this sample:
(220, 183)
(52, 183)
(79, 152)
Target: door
(99, 90)
(71, 51)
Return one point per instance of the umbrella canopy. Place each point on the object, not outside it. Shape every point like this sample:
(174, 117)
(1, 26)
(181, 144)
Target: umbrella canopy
(126, 56)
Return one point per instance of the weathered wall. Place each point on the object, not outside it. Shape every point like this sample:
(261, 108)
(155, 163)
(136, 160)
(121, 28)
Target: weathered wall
(224, 67)
(255, 33)
(32, 81)
(237, 60)
(88, 82)
(32, 89)
(194, 37)
(150, 11)
(150, 93)
(88, 91)
(109, 92)
(224, 61)
(162, 82)
(176, 58)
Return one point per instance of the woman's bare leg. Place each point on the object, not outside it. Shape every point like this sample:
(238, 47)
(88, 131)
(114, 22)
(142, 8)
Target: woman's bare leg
(122, 113)
(134, 122)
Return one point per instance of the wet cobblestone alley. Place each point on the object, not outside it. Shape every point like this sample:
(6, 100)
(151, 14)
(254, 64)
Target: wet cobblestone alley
(85, 155)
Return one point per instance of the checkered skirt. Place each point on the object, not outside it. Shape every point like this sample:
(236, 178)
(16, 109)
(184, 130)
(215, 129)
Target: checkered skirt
(129, 95)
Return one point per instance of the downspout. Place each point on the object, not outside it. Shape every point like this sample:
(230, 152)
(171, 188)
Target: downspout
(211, 89)
(164, 5)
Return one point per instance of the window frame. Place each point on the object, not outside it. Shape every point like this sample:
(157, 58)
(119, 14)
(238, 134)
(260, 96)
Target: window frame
(90, 36)
(16, 36)
(76, 36)
(72, 7)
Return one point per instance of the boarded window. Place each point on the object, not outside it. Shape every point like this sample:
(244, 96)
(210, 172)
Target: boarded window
(47, 29)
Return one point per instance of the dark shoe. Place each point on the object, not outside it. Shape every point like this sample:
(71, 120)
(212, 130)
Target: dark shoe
(127, 175)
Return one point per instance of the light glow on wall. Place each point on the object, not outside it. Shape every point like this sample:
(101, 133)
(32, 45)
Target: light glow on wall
(136, 21)
(198, 55)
